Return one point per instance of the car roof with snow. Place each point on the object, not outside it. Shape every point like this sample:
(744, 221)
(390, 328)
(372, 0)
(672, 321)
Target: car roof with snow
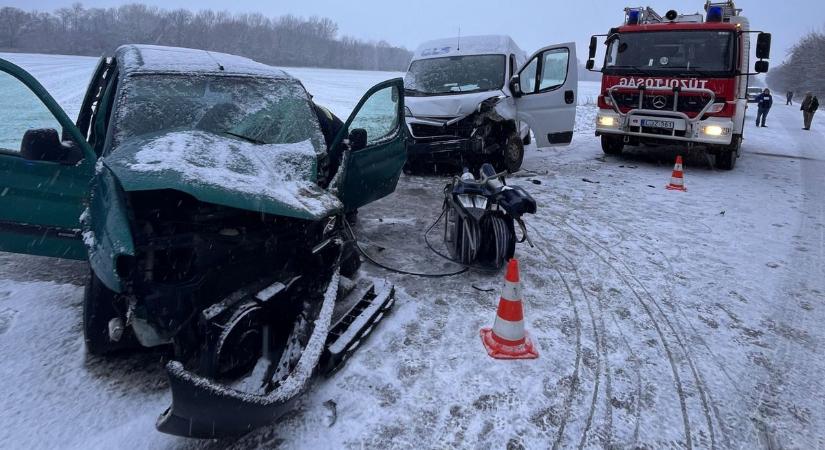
(148, 59)
(468, 45)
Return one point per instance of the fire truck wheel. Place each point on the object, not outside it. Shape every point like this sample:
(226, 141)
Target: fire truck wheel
(726, 159)
(612, 145)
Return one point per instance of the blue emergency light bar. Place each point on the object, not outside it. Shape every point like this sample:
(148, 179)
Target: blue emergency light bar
(715, 14)
(633, 17)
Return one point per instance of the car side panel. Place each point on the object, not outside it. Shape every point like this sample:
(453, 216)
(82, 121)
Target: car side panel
(107, 230)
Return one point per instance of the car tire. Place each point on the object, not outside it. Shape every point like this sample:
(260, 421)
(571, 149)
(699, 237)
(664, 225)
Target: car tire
(726, 159)
(98, 310)
(511, 158)
(612, 145)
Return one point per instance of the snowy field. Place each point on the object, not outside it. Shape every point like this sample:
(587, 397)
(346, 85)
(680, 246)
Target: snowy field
(664, 319)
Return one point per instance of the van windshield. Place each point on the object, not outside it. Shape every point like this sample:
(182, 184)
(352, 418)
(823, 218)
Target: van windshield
(455, 75)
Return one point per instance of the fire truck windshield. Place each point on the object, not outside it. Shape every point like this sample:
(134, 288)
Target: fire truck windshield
(671, 53)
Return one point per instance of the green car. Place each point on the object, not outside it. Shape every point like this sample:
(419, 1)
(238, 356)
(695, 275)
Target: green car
(209, 195)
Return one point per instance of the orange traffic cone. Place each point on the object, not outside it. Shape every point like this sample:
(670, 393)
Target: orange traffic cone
(677, 180)
(508, 339)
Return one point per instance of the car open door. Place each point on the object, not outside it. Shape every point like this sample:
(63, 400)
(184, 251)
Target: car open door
(546, 92)
(46, 165)
(375, 138)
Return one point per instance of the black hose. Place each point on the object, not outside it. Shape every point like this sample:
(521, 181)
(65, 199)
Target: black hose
(405, 272)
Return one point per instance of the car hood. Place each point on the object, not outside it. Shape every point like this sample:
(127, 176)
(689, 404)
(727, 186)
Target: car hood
(274, 179)
(447, 105)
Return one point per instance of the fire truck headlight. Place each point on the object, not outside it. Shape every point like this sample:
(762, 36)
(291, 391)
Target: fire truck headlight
(716, 107)
(607, 121)
(715, 130)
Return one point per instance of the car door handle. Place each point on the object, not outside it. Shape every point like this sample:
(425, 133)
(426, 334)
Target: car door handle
(569, 97)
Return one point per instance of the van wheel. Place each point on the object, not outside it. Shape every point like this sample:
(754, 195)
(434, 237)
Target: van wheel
(612, 145)
(98, 310)
(512, 156)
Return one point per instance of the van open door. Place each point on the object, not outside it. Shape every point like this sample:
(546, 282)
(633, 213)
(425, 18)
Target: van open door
(545, 91)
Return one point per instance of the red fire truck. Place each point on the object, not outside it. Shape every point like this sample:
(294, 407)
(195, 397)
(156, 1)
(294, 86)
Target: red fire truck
(678, 79)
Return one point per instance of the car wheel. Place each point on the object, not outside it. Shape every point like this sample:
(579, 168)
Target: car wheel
(512, 156)
(612, 145)
(726, 159)
(98, 310)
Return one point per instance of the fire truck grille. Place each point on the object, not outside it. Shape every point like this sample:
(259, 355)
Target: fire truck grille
(689, 104)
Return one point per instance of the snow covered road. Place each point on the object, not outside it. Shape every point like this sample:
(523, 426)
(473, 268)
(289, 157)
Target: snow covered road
(664, 319)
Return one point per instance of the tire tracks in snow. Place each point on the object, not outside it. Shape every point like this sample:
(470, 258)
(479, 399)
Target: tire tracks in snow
(706, 396)
(626, 279)
(708, 407)
(598, 334)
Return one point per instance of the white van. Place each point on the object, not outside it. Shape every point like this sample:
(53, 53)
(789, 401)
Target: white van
(475, 99)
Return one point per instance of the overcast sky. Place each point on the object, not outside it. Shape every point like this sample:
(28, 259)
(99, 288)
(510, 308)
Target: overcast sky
(531, 23)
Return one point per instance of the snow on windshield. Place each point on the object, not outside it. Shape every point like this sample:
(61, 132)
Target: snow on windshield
(282, 172)
(260, 110)
(456, 74)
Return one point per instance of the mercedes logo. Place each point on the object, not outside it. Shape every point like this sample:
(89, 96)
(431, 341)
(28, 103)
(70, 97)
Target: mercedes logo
(659, 102)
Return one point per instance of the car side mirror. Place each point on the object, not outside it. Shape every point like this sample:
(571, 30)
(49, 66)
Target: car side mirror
(357, 139)
(589, 65)
(761, 66)
(763, 46)
(515, 86)
(42, 144)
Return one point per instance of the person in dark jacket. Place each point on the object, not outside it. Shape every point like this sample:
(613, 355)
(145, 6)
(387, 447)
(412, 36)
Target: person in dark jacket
(809, 106)
(764, 101)
(790, 98)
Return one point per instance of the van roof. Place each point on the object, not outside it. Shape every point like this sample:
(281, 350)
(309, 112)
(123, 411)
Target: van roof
(468, 45)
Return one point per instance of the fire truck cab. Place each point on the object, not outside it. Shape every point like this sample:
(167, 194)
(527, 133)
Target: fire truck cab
(681, 78)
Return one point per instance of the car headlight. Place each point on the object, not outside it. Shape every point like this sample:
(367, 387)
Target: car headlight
(715, 130)
(408, 112)
(607, 121)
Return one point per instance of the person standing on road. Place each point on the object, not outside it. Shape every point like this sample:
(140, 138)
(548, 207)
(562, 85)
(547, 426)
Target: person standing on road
(764, 101)
(790, 98)
(809, 106)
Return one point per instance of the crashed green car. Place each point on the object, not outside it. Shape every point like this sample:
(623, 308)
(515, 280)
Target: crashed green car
(209, 195)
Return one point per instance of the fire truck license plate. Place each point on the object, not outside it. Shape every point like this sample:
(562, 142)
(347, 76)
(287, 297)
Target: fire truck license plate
(667, 124)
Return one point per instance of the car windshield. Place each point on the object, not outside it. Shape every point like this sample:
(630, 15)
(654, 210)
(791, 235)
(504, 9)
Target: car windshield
(455, 75)
(671, 53)
(257, 110)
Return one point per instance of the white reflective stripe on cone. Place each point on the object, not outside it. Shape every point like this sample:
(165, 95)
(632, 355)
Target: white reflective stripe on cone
(505, 329)
(677, 181)
(677, 167)
(511, 291)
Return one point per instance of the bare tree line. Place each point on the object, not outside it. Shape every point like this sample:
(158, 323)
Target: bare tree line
(284, 41)
(804, 70)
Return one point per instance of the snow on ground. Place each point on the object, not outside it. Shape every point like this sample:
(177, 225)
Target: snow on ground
(663, 319)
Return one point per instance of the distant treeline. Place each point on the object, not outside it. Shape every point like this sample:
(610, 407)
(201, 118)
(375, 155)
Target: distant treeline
(284, 41)
(804, 70)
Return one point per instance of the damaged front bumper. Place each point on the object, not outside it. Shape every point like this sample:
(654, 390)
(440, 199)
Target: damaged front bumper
(203, 408)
